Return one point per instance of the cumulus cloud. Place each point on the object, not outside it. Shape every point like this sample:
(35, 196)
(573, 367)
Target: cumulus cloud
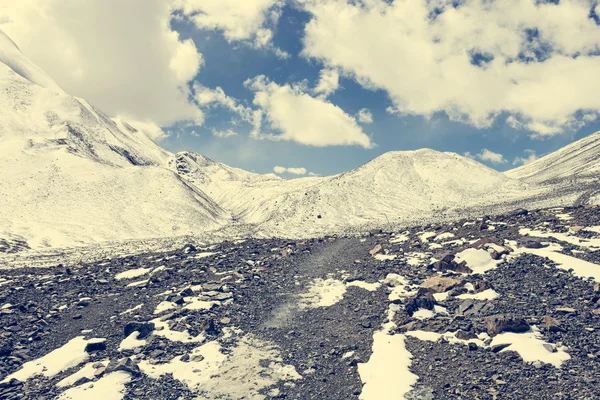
(250, 21)
(121, 56)
(209, 98)
(491, 157)
(223, 133)
(365, 116)
(529, 157)
(329, 81)
(473, 60)
(299, 117)
(291, 170)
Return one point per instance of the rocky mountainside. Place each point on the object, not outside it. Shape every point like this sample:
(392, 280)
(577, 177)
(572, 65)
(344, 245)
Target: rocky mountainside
(505, 307)
(72, 175)
(577, 161)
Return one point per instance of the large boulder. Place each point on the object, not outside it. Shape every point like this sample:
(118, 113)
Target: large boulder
(440, 284)
(497, 324)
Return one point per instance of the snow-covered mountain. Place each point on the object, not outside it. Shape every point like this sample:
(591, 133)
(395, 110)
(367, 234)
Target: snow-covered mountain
(578, 160)
(403, 185)
(76, 176)
(69, 174)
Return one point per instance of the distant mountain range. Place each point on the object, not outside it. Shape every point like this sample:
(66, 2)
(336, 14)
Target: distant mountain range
(71, 175)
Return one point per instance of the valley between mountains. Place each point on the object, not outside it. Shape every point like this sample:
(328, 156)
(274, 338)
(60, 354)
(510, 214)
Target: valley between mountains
(129, 272)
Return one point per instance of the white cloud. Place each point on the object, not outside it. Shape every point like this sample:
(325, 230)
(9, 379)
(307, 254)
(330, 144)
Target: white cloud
(420, 53)
(223, 133)
(491, 157)
(529, 157)
(250, 21)
(208, 98)
(120, 55)
(469, 155)
(365, 116)
(290, 170)
(329, 81)
(305, 119)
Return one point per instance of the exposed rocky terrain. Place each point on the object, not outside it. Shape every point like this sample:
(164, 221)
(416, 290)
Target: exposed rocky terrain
(503, 307)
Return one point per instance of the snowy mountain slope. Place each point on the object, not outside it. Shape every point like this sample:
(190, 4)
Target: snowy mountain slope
(11, 56)
(395, 186)
(240, 192)
(578, 160)
(69, 174)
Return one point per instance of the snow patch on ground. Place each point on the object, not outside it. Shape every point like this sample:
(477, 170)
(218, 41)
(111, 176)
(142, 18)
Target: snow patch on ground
(581, 268)
(588, 243)
(68, 356)
(109, 387)
(132, 273)
(131, 342)
(488, 294)
(478, 260)
(322, 293)
(531, 347)
(386, 375)
(87, 371)
(249, 367)
(371, 287)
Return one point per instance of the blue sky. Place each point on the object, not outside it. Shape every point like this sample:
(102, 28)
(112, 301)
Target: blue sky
(228, 65)
(241, 81)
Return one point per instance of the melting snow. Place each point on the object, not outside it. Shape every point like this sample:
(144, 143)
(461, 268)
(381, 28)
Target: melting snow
(109, 387)
(132, 273)
(130, 310)
(323, 293)
(399, 238)
(581, 268)
(162, 329)
(371, 287)
(589, 243)
(68, 356)
(479, 261)
(384, 257)
(425, 236)
(387, 375)
(87, 371)
(531, 347)
(488, 294)
(131, 342)
(250, 366)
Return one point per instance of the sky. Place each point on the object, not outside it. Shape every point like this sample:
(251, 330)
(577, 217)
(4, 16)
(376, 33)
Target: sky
(319, 87)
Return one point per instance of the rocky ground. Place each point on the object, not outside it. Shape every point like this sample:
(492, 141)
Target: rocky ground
(503, 307)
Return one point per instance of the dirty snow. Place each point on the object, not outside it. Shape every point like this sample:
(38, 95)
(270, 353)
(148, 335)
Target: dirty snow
(250, 366)
(323, 293)
(371, 287)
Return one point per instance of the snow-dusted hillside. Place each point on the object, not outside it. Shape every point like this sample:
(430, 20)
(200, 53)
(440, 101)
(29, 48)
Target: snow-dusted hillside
(69, 174)
(242, 193)
(395, 186)
(578, 160)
